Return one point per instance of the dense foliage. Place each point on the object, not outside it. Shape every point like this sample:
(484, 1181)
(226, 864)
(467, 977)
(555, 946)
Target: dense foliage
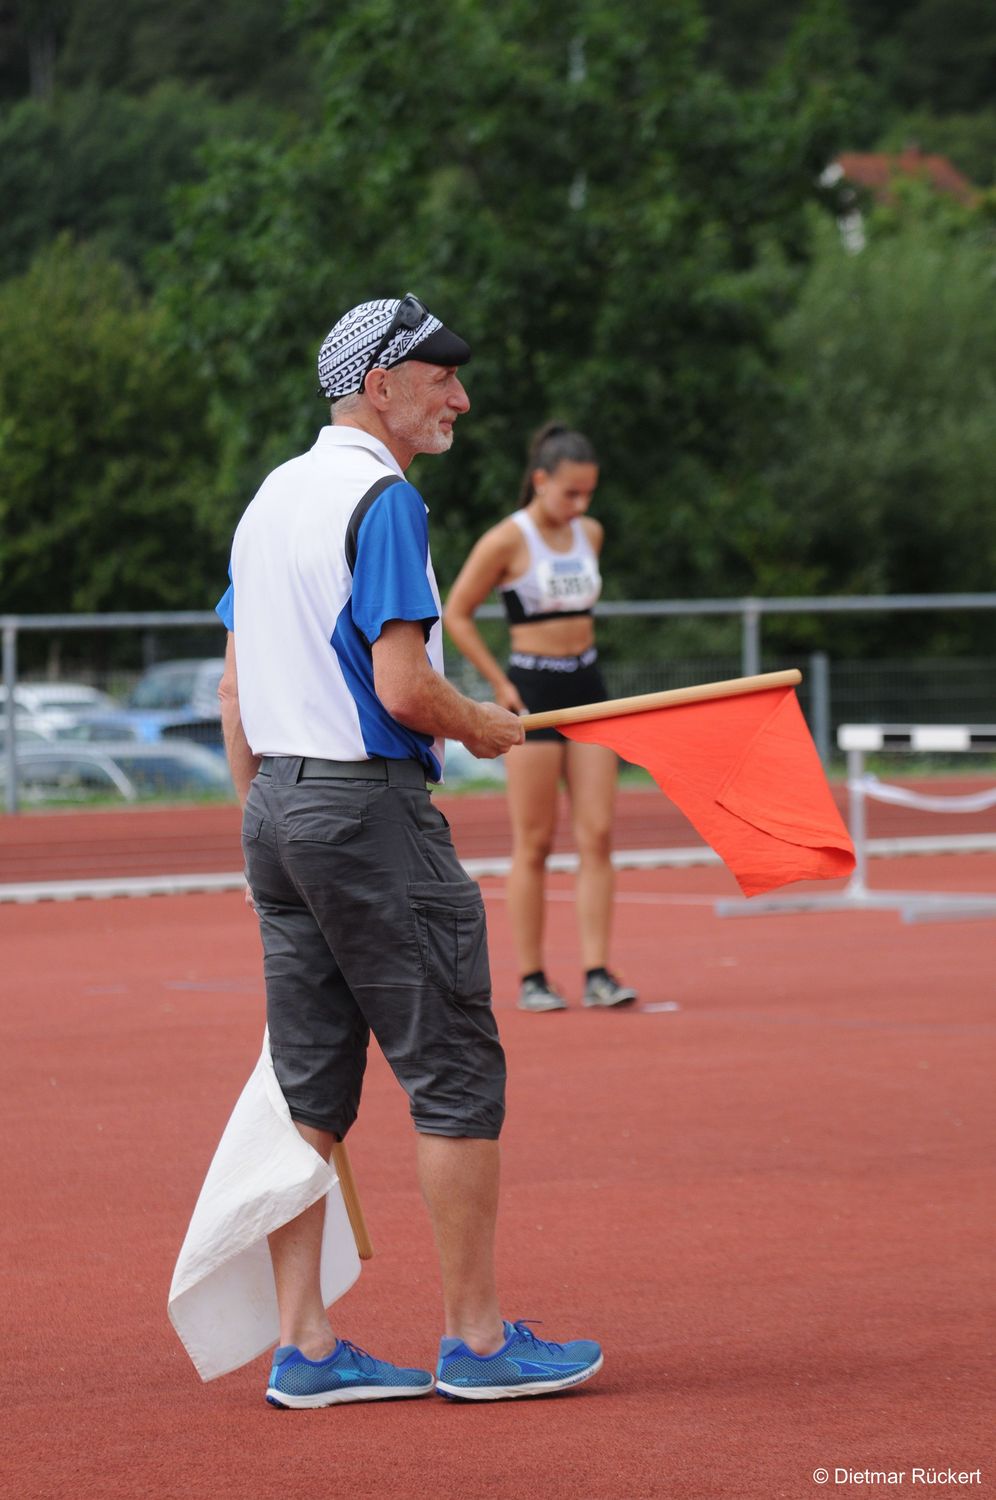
(105, 459)
(619, 206)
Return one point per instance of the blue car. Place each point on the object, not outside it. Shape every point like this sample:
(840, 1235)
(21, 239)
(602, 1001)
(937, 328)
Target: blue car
(174, 700)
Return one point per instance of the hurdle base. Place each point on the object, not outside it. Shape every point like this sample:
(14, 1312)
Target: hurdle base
(912, 906)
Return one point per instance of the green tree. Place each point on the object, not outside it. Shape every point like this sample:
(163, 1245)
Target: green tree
(885, 462)
(607, 221)
(967, 140)
(102, 166)
(937, 55)
(30, 35)
(941, 54)
(233, 48)
(102, 446)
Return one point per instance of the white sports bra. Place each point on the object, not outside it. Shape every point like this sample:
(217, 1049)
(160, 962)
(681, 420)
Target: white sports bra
(555, 583)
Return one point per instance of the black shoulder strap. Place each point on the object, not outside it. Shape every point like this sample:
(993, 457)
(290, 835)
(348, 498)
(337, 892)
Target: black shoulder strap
(362, 506)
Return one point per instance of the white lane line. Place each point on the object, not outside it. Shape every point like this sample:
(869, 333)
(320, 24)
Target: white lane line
(624, 859)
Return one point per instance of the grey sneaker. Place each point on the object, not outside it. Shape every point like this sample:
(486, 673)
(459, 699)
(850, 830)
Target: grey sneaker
(604, 989)
(539, 994)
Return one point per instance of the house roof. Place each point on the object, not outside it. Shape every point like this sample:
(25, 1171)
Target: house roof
(876, 170)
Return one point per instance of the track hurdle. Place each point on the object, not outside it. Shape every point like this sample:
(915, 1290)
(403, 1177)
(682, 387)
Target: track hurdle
(858, 740)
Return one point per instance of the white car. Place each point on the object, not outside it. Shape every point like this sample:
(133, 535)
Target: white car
(70, 772)
(53, 707)
(460, 767)
(26, 732)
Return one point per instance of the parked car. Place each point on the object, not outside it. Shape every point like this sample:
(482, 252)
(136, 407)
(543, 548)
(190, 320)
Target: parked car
(180, 685)
(53, 707)
(25, 733)
(68, 772)
(461, 766)
(174, 700)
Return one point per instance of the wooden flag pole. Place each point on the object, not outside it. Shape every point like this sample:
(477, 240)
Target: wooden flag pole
(616, 707)
(351, 1198)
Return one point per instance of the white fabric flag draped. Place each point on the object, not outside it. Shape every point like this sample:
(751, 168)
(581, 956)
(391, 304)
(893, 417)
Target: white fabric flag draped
(222, 1301)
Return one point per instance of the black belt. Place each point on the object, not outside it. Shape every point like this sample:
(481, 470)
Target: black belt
(397, 772)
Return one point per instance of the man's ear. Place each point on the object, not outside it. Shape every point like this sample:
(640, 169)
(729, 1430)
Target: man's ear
(376, 388)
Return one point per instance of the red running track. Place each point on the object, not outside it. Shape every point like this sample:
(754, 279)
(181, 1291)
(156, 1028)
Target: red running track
(192, 840)
(773, 1206)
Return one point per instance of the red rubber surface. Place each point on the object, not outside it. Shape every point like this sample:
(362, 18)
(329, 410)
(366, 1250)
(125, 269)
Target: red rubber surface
(192, 840)
(773, 1207)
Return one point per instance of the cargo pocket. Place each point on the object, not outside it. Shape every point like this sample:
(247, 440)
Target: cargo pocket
(251, 825)
(321, 825)
(452, 936)
(252, 829)
(257, 851)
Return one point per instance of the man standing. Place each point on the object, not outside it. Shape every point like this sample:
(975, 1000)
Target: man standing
(335, 712)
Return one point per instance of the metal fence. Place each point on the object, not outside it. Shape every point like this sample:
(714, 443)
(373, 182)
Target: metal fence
(833, 691)
(924, 690)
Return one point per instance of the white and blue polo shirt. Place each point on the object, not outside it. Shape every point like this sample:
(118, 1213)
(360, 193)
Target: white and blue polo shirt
(333, 546)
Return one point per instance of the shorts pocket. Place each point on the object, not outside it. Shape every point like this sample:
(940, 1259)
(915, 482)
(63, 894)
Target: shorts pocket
(321, 825)
(452, 936)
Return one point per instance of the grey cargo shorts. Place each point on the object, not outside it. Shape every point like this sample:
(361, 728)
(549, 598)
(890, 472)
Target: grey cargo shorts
(370, 923)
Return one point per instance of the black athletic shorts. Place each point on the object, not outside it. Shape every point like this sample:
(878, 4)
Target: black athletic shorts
(550, 682)
(370, 923)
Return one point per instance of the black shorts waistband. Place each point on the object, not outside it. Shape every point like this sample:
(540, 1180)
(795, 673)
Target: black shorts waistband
(527, 662)
(311, 768)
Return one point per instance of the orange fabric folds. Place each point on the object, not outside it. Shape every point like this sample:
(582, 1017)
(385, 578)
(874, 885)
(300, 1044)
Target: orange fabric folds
(745, 772)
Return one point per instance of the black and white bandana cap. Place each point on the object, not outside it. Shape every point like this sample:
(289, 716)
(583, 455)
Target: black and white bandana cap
(343, 357)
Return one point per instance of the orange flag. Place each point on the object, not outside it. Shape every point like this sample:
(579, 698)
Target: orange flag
(745, 772)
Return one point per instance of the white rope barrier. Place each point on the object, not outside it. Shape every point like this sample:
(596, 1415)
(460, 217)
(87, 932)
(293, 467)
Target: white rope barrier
(901, 796)
(913, 906)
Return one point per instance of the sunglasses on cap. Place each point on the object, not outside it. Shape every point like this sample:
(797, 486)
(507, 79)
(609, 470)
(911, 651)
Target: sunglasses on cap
(410, 314)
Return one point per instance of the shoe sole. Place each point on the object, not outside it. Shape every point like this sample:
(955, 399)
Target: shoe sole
(507, 1392)
(348, 1394)
(609, 1004)
(538, 1009)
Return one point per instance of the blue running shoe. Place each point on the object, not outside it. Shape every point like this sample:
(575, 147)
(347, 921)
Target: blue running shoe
(523, 1366)
(347, 1374)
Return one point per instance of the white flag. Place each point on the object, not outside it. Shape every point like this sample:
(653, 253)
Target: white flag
(222, 1301)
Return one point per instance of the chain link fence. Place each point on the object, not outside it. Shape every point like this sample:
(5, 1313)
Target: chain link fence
(644, 646)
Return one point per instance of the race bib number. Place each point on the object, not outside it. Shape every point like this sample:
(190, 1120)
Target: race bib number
(568, 583)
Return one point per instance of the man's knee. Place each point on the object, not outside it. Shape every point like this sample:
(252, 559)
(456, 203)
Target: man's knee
(460, 1096)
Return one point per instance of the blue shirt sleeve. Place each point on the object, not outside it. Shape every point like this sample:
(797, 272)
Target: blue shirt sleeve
(389, 575)
(225, 608)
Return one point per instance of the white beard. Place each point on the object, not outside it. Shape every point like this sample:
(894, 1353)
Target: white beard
(419, 431)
